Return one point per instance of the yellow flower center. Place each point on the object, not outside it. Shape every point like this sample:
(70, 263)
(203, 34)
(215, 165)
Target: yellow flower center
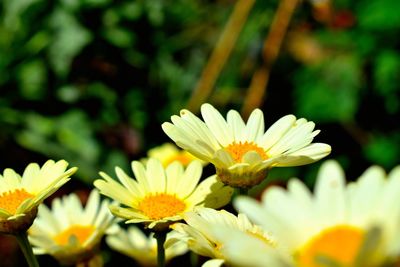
(81, 233)
(237, 150)
(161, 205)
(340, 244)
(11, 200)
(182, 157)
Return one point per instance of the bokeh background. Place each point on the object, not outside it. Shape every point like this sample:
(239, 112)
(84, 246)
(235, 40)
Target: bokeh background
(91, 81)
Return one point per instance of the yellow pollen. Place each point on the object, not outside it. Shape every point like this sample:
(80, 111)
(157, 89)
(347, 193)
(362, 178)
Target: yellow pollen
(237, 150)
(340, 244)
(11, 200)
(161, 205)
(81, 233)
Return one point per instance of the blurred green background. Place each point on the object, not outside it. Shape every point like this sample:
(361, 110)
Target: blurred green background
(91, 81)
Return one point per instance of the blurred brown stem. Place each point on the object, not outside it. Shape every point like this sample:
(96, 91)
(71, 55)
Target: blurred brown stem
(272, 45)
(220, 54)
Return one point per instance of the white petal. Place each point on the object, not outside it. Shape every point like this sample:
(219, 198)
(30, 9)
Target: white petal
(236, 125)
(276, 131)
(254, 127)
(330, 193)
(217, 124)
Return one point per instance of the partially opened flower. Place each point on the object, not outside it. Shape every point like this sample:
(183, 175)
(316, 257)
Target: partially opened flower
(243, 153)
(353, 225)
(70, 232)
(241, 249)
(199, 232)
(135, 244)
(158, 196)
(20, 196)
(168, 153)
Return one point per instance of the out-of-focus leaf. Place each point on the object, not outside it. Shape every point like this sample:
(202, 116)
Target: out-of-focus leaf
(108, 114)
(32, 79)
(379, 15)
(103, 92)
(9, 115)
(74, 132)
(115, 158)
(329, 92)
(95, 3)
(119, 37)
(71, 4)
(383, 150)
(138, 117)
(131, 10)
(13, 10)
(68, 94)
(111, 18)
(39, 124)
(155, 13)
(69, 38)
(387, 78)
(37, 42)
(387, 72)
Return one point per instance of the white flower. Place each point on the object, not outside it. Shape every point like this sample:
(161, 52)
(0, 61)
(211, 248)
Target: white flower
(161, 196)
(135, 244)
(69, 232)
(20, 196)
(353, 225)
(200, 232)
(243, 153)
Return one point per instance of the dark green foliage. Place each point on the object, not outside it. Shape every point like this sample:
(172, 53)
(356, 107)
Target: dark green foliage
(91, 81)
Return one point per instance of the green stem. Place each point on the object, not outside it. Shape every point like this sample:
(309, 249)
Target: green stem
(160, 236)
(27, 249)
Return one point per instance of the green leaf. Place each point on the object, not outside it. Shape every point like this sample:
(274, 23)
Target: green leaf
(387, 72)
(69, 39)
(383, 150)
(32, 79)
(379, 15)
(119, 37)
(74, 132)
(329, 92)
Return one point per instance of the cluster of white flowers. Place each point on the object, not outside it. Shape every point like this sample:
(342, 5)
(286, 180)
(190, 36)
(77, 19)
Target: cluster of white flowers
(339, 224)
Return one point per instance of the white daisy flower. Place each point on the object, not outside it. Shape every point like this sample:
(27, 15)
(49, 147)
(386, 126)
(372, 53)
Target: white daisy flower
(353, 225)
(69, 232)
(135, 244)
(243, 153)
(160, 196)
(199, 232)
(20, 196)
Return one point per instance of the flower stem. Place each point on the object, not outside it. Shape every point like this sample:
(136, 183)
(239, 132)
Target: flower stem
(160, 236)
(27, 249)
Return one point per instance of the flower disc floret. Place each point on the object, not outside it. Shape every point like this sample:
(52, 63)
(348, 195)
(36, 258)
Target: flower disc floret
(11, 200)
(238, 149)
(161, 205)
(80, 232)
(341, 243)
